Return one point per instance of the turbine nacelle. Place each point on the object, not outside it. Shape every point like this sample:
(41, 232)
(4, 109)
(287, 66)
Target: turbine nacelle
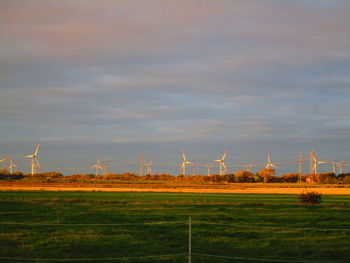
(184, 162)
(149, 167)
(248, 166)
(316, 162)
(35, 162)
(223, 168)
(269, 164)
(98, 167)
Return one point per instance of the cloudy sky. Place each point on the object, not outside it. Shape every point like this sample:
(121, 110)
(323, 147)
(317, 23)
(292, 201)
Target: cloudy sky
(116, 78)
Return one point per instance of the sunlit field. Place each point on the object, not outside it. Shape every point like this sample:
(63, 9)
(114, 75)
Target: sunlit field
(130, 227)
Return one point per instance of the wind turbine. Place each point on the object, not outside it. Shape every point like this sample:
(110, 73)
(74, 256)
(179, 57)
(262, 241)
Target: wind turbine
(248, 166)
(269, 164)
(35, 162)
(12, 164)
(184, 162)
(193, 168)
(223, 168)
(209, 168)
(3, 160)
(315, 162)
(98, 167)
(149, 167)
(340, 165)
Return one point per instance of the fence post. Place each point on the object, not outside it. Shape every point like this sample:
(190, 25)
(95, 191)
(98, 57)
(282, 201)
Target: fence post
(189, 239)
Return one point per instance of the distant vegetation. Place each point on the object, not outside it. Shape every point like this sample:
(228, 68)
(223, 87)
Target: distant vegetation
(240, 176)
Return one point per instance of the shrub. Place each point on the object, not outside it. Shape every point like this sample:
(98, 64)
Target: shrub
(290, 177)
(326, 178)
(311, 197)
(346, 179)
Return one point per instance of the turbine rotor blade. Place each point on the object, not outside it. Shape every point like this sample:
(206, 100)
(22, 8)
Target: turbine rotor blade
(37, 162)
(223, 157)
(36, 150)
(313, 157)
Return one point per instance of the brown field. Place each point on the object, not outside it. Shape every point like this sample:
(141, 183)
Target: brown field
(173, 188)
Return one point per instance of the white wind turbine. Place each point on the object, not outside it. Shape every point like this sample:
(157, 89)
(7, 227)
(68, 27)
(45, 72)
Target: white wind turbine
(248, 166)
(315, 162)
(35, 162)
(98, 167)
(209, 166)
(223, 168)
(184, 162)
(193, 168)
(12, 164)
(269, 164)
(334, 164)
(149, 167)
(340, 165)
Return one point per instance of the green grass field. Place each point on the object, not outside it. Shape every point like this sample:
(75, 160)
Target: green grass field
(59, 225)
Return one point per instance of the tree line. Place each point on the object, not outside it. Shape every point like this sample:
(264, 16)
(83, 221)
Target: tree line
(263, 176)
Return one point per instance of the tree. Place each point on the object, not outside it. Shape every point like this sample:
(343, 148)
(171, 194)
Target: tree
(267, 174)
(327, 178)
(346, 179)
(290, 177)
(242, 176)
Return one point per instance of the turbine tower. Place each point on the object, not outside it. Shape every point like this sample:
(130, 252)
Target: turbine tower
(223, 168)
(269, 164)
(248, 166)
(209, 168)
(149, 167)
(184, 162)
(340, 165)
(12, 164)
(35, 162)
(315, 162)
(193, 168)
(98, 167)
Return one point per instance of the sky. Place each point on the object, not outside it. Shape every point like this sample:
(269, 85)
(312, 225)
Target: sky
(116, 78)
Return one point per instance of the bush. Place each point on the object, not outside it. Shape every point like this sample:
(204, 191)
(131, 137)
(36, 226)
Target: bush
(346, 179)
(311, 198)
(326, 178)
(290, 178)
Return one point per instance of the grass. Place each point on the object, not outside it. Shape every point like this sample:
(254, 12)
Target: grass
(241, 235)
(100, 182)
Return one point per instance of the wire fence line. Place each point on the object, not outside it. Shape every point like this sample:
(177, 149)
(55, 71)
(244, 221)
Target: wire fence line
(93, 259)
(172, 255)
(92, 224)
(273, 227)
(188, 255)
(175, 222)
(269, 260)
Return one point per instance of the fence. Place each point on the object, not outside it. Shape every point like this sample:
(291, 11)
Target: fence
(194, 242)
